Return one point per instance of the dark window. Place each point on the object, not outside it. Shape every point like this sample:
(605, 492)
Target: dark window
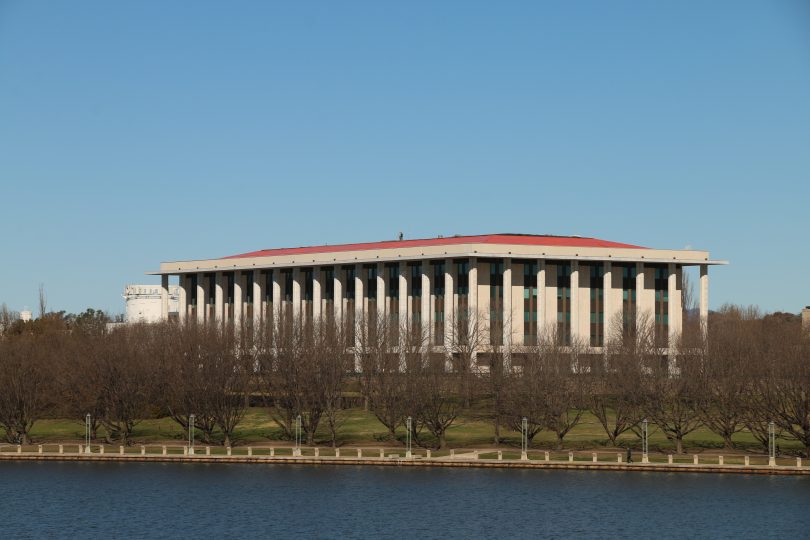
(496, 302)
(564, 303)
(661, 306)
(530, 299)
(629, 297)
(438, 303)
(597, 287)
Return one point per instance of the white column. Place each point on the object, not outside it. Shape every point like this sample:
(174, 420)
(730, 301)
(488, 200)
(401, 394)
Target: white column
(507, 304)
(317, 294)
(574, 307)
(427, 327)
(238, 287)
(541, 298)
(704, 297)
(182, 304)
(358, 308)
(164, 297)
(296, 293)
(449, 304)
(338, 293)
(219, 297)
(382, 305)
(472, 297)
(258, 297)
(200, 292)
(673, 311)
(640, 303)
(277, 277)
(404, 303)
(608, 306)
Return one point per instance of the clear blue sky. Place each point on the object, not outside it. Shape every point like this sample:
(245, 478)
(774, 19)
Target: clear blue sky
(136, 133)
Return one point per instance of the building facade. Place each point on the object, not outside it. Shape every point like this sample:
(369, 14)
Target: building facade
(144, 303)
(516, 284)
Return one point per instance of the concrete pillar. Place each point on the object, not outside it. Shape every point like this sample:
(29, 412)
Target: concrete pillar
(640, 303)
(258, 297)
(219, 297)
(200, 292)
(276, 293)
(500, 455)
(338, 288)
(507, 304)
(81, 449)
(719, 460)
(425, 306)
(611, 307)
(524, 456)
(704, 297)
(570, 456)
(239, 286)
(645, 458)
(358, 316)
(19, 449)
(143, 450)
(542, 321)
(61, 448)
(337, 452)
(101, 449)
(272, 452)
(798, 462)
(207, 450)
(474, 320)
(296, 293)
(695, 459)
(619, 457)
(182, 304)
(575, 308)
(669, 459)
(547, 456)
(39, 449)
(121, 450)
(382, 453)
(593, 457)
(404, 290)
(772, 462)
(250, 450)
(674, 305)
(382, 305)
(359, 452)
(185, 450)
(452, 453)
(164, 297)
(163, 450)
(228, 450)
(427, 453)
(317, 293)
(747, 461)
(449, 303)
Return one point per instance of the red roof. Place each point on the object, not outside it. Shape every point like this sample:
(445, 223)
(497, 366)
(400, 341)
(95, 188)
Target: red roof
(515, 239)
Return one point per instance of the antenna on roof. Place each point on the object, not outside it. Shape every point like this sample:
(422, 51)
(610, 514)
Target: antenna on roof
(401, 236)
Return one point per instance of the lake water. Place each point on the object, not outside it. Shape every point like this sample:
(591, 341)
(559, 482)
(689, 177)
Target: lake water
(151, 500)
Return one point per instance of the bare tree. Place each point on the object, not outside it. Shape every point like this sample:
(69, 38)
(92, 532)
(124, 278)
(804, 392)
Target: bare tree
(25, 385)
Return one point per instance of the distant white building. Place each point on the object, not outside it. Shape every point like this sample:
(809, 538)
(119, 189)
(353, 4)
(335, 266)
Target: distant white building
(143, 303)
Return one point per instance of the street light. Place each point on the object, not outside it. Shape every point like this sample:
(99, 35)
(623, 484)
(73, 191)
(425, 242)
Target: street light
(191, 426)
(644, 441)
(408, 425)
(87, 433)
(771, 444)
(524, 439)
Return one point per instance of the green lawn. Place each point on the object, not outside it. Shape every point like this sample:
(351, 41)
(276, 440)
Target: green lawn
(362, 428)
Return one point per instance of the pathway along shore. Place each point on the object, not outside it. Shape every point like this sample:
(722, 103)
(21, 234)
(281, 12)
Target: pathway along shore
(379, 457)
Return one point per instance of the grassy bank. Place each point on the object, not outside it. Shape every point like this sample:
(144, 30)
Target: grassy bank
(361, 428)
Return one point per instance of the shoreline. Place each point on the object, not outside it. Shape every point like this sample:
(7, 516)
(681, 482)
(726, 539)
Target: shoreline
(416, 462)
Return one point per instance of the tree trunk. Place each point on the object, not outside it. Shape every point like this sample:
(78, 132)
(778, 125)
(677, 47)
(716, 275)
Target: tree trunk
(559, 442)
(679, 445)
(227, 441)
(497, 430)
(442, 441)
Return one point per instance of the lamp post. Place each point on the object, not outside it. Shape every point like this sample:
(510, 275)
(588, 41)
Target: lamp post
(408, 427)
(771, 444)
(191, 419)
(524, 439)
(644, 441)
(87, 433)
